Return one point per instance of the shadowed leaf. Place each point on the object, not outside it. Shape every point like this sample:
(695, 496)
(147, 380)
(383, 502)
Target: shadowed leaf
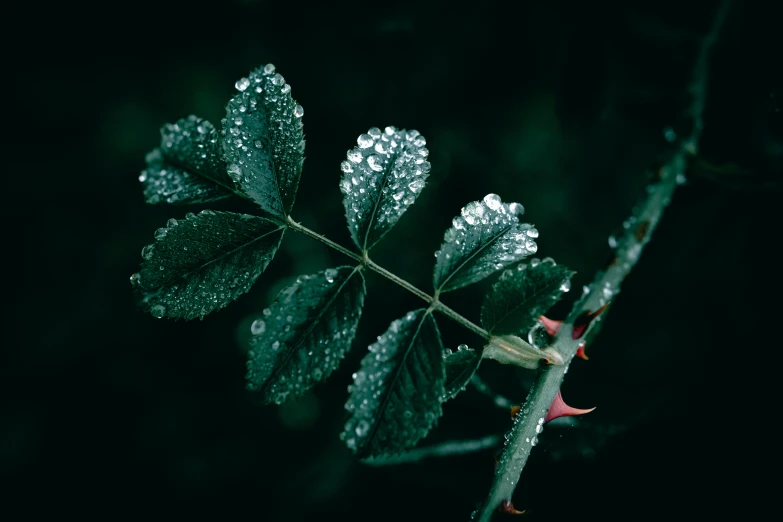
(188, 166)
(302, 337)
(460, 367)
(522, 295)
(200, 264)
(396, 394)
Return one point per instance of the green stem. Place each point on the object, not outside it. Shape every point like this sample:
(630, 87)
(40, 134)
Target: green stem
(529, 421)
(434, 303)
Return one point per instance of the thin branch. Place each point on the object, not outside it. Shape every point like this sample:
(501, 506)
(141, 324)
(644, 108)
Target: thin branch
(366, 261)
(640, 226)
(444, 449)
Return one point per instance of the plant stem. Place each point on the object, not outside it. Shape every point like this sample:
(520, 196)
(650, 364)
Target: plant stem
(366, 261)
(606, 284)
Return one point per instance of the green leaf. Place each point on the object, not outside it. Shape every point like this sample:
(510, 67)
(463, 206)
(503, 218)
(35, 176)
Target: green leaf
(200, 264)
(302, 337)
(460, 367)
(263, 140)
(484, 239)
(522, 295)
(188, 166)
(382, 177)
(396, 394)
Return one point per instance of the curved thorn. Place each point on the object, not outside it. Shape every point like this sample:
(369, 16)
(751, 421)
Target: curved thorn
(507, 507)
(559, 408)
(551, 325)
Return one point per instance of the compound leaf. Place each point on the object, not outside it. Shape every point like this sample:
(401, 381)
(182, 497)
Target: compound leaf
(522, 295)
(485, 238)
(382, 177)
(396, 394)
(302, 337)
(200, 264)
(263, 140)
(460, 367)
(188, 166)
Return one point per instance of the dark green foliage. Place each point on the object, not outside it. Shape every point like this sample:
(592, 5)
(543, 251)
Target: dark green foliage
(263, 140)
(522, 295)
(460, 367)
(303, 336)
(485, 238)
(382, 176)
(188, 166)
(396, 394)
(200, 264)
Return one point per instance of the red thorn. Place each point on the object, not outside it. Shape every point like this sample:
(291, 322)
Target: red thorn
(507, 507)
(584, 320)
(580, 352)
(515, 411)
(559, 408)
(551, 325)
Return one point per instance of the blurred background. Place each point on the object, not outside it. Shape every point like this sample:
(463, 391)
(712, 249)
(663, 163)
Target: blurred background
(562, 107)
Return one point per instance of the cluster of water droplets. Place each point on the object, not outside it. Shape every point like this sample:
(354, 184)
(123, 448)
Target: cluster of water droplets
(263, 139)
(490, 227)
(304, 334)
(177, 278)
(412, 408)
(382, 176)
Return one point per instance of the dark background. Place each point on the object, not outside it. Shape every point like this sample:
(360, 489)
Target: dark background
(107, 411)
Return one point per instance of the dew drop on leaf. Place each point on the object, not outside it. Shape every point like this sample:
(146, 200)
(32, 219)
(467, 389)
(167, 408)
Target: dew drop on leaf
(258, 327)
(158, 310)
(242, 84)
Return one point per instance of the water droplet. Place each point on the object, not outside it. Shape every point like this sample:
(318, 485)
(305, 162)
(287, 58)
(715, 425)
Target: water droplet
(612, 242)
(565, 286)
(135, 279)
(375, 132)
(267, 312)
(516, 208)
(234, 172)
(258, 327)
(362, 427)
(298, 111)
(286, 88)
(146, 252)
(531, 247)
(365, 141)
(669, 134)
(375, 162)
(158, 310)
(416, 185)
(462, 347)
(269, 68)
(242, 84)
(493, 201)
(531, 232)
(680, 179)
(171, 223)
(276, 345)
(330, 274)
(535, 262)
(161, 233)
(346, 166)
